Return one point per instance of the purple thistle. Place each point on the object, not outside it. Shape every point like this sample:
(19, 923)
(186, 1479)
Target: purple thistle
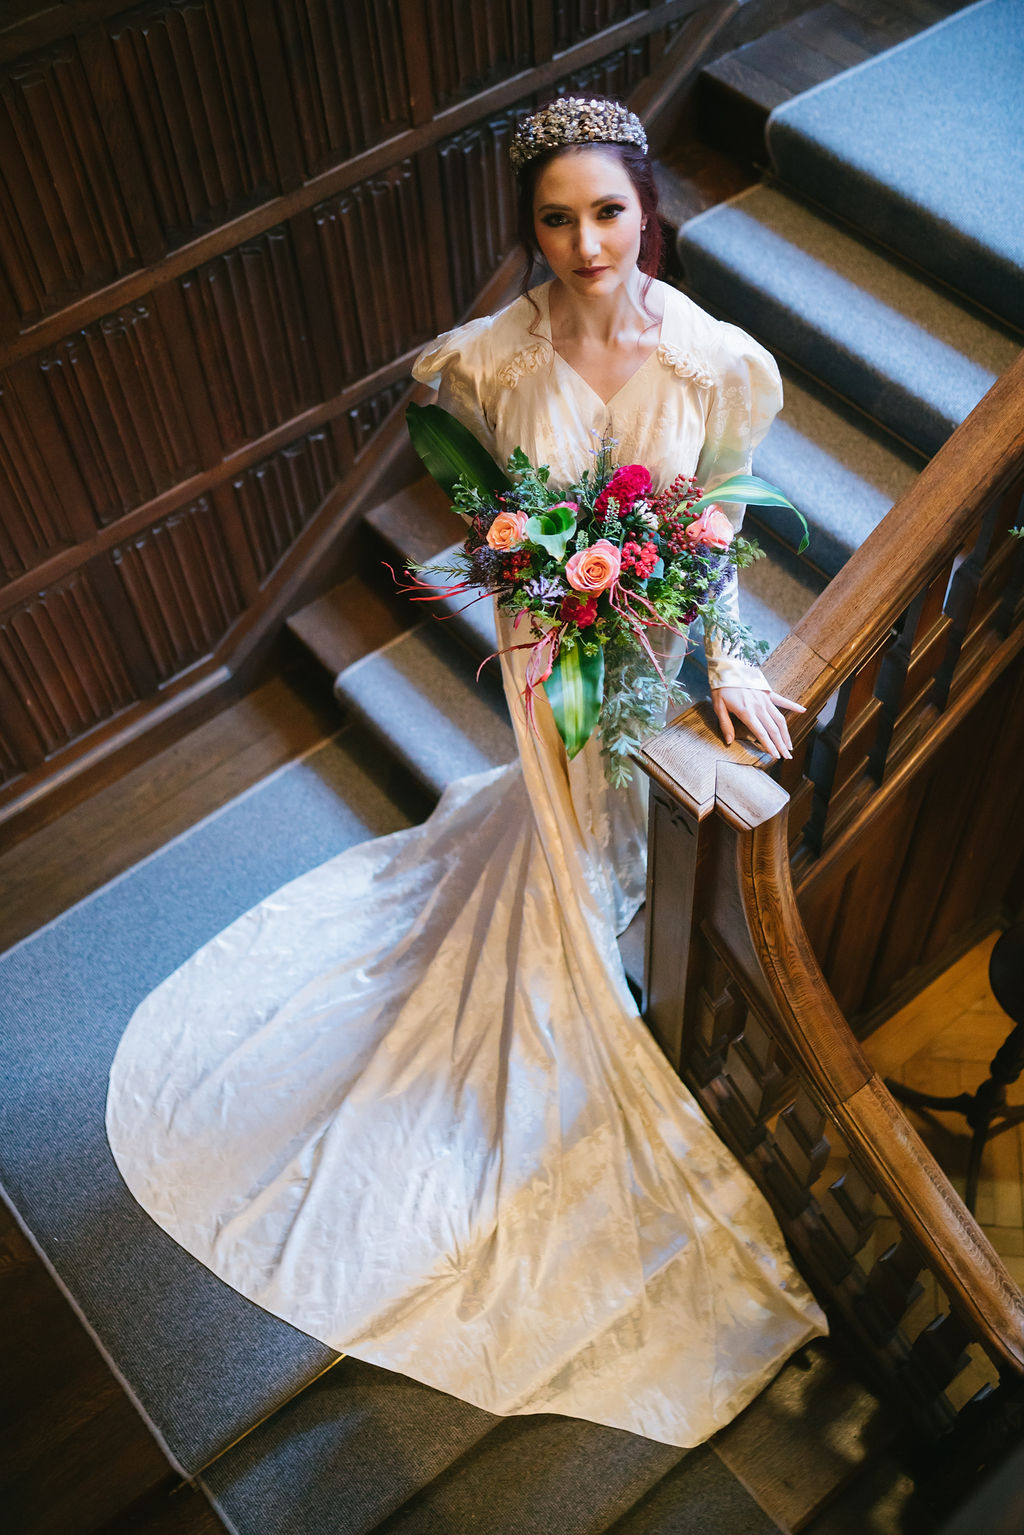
(485, 567)
(544, 588)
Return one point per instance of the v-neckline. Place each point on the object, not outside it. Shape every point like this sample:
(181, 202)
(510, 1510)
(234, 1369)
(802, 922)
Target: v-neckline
(605, 404)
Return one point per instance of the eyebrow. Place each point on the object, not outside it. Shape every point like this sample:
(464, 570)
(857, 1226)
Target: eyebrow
(610, 197)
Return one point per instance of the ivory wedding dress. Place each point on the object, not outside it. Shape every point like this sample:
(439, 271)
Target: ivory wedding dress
(407, 1104)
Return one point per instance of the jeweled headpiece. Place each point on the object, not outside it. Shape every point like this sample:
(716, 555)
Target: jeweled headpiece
(575, 120)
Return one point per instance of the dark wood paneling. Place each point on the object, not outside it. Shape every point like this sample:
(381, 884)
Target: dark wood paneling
(60, 658)
(381, 301)
(65, 225)
(181, 587)
(224, 231)
(470, 47)
(278, 498)
(346, 74)
(251, 333)
(576, 19)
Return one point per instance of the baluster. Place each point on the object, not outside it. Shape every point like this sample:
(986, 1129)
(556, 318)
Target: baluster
(960, 604)
(801, 1151)
(892, 677)
(847, 1217)
(721, 1014)
(753, 1082)
(891, 1288)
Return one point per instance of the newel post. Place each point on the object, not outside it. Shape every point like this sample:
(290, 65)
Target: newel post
(691, 1002)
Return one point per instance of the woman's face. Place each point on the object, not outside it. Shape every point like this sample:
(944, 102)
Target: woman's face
(588, 220)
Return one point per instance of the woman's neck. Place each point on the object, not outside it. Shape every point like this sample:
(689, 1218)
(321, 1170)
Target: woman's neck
(618, 320)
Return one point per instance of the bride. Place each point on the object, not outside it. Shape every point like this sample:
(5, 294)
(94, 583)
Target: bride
(406, 1103)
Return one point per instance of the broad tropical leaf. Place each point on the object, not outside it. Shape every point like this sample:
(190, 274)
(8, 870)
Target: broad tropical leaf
(575, 691)
(552, 530)
(750, 487)
(450, 451)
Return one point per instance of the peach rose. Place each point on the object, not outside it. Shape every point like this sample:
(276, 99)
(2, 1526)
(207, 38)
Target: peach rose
(594, 569)
(712, 527)
(507, 531)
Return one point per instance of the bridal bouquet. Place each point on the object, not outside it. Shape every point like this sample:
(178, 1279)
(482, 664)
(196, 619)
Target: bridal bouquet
(592, 575)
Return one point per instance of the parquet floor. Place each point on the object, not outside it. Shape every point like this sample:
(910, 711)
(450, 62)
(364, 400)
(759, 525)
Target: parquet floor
(942, 1042)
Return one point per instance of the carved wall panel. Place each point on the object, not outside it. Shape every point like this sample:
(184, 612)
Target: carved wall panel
(63, 221)
(364, 419)
(346, 74)
(277, 498)
(252, 336)
(374, 241)
(113, 392)
(615, 75)
(475, 179)
(576, 19)
(182, 589)
(472, 46)
(188, 84)
(59, 656)
(207, 304)
(34, 521)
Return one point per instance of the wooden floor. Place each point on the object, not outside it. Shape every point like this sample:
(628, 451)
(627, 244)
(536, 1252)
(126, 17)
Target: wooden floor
(942, 1042)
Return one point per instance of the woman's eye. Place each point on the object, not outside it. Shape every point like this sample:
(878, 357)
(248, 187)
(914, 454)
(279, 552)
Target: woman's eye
(611, 210)
(554, 220)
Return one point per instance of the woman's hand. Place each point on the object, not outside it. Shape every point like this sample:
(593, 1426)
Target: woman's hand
(760, 711)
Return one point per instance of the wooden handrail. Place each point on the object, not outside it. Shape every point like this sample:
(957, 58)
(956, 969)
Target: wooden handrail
(728, 949)
(817, 1037)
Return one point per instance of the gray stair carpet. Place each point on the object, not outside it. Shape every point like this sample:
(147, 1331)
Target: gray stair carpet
(203, 1363)
(840, 469)
(464, 614)
(904, 350)
(924, 146)
(421, 699)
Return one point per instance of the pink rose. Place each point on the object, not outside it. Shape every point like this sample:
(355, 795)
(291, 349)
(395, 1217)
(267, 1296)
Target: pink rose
(712, 528)
(593, 569)
(507, 531)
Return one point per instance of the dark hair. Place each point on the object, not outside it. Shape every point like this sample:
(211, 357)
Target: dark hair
(638, 168)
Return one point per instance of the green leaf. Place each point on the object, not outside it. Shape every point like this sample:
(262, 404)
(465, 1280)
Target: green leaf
(750, 488)
(575, 690)
(450, 451)
(552, 530)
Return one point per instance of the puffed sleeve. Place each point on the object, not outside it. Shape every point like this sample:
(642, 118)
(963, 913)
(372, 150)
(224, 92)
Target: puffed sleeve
(456, 364)
(745, 399)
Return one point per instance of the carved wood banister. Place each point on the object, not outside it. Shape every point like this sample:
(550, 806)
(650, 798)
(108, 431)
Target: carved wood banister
(781, 901)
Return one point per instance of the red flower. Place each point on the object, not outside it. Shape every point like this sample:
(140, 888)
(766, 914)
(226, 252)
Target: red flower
(627, 484)
(512, 564)
(574, 611)
(642, 560)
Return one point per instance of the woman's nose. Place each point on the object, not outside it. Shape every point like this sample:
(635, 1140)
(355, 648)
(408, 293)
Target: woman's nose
(588, 239)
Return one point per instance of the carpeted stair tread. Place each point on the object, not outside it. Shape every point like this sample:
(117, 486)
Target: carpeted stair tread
(348, 622)
(203, 1363)
(416, 523)
(905, 351)
(421, 696)
(800, 1443)
(536, 1474)
(699, 1496)
(843, 473)
(342, 1457)
(775, 593)
(953, 205)
(464, 614)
